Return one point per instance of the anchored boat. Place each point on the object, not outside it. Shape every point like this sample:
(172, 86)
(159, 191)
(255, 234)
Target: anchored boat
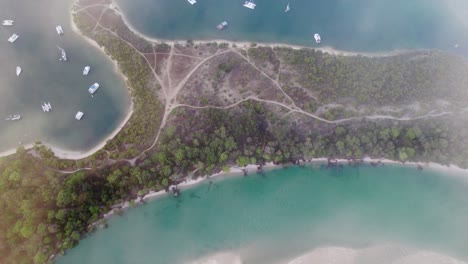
(13, 38)
(317, 38)
(93, 88)
(86, 70)
(59, 30)
(192, 2)
(222, 25)
(18, 70)
(63, 56)
(250, 4)
(79, 115)
(13, 118)
(46, 107)
(7, 22)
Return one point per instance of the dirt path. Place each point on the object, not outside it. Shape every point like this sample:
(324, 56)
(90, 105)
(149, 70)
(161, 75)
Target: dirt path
(170, 93)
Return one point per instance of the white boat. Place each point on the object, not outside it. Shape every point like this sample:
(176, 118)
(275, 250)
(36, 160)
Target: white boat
(192, 2)
(45, 107)
(48, 105)
(59, 30)
(250, 4)
(18, 70)
(13, 38)
(93, 88)
(79, 115)
(317, 38)
(63, 56)
(7, 22)
(13, 118)
(287, 8)
(86, 70)
(222, 25)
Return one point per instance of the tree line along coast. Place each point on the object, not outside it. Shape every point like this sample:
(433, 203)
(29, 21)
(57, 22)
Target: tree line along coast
(201, 107)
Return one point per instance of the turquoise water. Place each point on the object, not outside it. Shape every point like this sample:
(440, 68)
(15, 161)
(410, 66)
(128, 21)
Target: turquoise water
(45, 78)
(357, 25)
(288, 212)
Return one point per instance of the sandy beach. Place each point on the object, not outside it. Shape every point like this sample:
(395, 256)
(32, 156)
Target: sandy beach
(246, 44)
(77, 155)
(235, 171)
(341, 255)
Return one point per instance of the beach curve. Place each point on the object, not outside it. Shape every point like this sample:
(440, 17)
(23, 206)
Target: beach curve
(63, 153)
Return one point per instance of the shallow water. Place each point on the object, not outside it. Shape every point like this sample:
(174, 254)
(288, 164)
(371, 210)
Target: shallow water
(45, 78)
(287, 213)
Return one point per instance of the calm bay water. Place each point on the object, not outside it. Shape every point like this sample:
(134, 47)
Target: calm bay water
(287, 213)
(45, 78)
(355, 25)
(262, 219)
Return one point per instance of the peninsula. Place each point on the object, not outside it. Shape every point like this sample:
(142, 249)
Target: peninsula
(200, 107)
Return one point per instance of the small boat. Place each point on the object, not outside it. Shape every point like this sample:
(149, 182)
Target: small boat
(13, 38)
(317, 38)
(59, 30)
(287, 8)
(18, 70)
(79, 115)
(250, 4)
(48, 105)
(222, 25)
(192, 2)
(86, 70)
(93, 88)
(45, 107)
(63, 56)
(7, 22)
(13, 118)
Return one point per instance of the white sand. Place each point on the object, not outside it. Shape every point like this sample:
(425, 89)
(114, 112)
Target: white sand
(390, 254)
(373, 255)
(246, 44)
(327, 255)
(233, 171)
(220, 258)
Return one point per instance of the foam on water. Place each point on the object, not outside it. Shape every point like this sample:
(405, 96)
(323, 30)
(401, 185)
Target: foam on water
(385, 254)
(220, 258)
(378, 254)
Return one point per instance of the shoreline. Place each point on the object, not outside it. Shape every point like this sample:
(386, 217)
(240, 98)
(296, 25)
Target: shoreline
(245, 44)
(63, 153)
(236, 171)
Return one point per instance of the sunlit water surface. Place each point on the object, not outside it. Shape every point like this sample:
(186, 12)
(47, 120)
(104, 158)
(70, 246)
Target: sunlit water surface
(389, 214)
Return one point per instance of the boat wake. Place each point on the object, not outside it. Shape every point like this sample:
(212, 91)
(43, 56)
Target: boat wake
(387, 254)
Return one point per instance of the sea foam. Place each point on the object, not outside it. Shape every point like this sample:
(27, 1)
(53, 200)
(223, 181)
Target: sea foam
(387, 254)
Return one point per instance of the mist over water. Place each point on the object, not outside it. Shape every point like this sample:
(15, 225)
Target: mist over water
(354, 25)
(46, 79)
(381, 215)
